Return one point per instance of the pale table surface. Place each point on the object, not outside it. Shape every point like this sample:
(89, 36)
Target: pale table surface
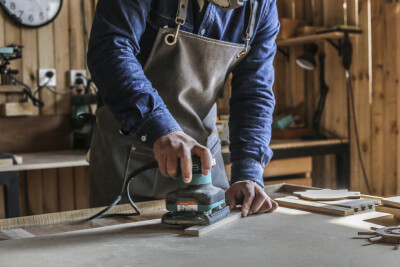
(49, 160)
(284, 238)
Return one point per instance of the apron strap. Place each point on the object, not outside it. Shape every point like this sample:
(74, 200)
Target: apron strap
(180, 19)
(250, 27)
(182, 12)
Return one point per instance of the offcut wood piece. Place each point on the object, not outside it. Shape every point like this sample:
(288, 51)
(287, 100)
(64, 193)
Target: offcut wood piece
(296, 203)
(357, 205)
(11, 88)
(327, 194)
(394, 211)
(201, 230)
(391, 201)
(17, 109)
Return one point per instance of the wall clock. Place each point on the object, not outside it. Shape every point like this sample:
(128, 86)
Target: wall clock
(32, 13)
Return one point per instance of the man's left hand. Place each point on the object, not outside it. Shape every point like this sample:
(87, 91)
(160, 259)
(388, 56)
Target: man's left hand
(251, 196)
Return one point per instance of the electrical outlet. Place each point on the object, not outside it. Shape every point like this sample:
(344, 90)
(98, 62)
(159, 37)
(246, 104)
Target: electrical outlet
(77, 77)
(45, 78)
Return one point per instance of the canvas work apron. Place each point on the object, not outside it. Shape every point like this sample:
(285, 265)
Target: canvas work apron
(188, 72)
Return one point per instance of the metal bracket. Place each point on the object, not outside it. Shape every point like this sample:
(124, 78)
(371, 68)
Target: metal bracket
(285, 53)
(337, 46)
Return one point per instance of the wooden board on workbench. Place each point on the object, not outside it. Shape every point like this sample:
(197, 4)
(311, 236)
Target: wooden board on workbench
(296, 203)
(327, 194)
(391, 201)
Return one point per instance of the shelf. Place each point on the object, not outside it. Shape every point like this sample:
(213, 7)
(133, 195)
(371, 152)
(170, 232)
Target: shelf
(310, 38)
(11, 88)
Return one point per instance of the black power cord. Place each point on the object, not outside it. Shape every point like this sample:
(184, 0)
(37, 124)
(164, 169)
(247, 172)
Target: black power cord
(347, 50)
(125, 192)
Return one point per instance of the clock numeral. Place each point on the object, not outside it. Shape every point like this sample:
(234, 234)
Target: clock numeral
(30, 18)
(12, 5)
(20, 13)
(41, 16)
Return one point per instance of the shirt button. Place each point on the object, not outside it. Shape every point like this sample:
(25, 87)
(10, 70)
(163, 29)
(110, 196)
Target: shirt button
(203, 31)
(143, 138)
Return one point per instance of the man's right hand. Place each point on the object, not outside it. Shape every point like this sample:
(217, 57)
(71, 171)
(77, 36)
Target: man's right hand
(178, 145)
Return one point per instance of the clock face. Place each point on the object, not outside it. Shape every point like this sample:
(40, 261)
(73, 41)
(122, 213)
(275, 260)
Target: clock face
(32, 13)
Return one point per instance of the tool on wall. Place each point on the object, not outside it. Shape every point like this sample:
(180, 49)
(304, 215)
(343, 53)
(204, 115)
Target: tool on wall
(196, 203)
(82, 113)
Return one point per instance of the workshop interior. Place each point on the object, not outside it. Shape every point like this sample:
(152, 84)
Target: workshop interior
(335, 142)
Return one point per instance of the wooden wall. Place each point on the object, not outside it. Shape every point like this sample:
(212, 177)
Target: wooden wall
(60, 45)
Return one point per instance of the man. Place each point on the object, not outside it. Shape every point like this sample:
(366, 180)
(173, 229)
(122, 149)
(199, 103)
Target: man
(159, 66)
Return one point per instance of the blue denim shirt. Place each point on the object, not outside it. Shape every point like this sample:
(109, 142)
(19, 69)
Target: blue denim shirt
(122, 36)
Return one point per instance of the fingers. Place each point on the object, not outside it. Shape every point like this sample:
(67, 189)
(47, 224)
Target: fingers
(162, 165)
(248, 199)
(230, 201)
(205, 157)
(172, 165)
(186, 166)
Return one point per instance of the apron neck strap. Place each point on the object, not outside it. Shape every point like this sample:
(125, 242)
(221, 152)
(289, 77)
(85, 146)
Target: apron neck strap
(182, 12)
(250, 26)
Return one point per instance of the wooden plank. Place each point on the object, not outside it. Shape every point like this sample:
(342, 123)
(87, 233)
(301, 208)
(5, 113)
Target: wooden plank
(50, 191)
(46, 61)
(295, 203)
(390, 129)
(377, 114)
(12, 35)
(76, 35)
(2, 203)
(3, 97)
(13, 109)
(61, 54)
(202, 230)
(39, 134)
(11, 89)
(291, 166)
(309, 39)
(29, 40)
(35, 192)
(82, 187)
(66, 189)
(23, 194)
(392, 201)
(391, 210)
(146, 207)
(306, 181)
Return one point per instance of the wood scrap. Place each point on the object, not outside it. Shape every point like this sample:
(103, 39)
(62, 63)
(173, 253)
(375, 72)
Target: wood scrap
(391, 201)
(327, 194)
(200, 230)
(296, 203)
(386, 209)
(357, 205)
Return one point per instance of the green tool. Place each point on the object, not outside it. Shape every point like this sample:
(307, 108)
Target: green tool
(195, 203)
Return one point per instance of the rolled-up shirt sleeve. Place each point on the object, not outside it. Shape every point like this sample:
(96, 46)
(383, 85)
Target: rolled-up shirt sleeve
(123, 87)
(252, 103)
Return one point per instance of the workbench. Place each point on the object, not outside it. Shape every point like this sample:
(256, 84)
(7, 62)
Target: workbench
(286, 237)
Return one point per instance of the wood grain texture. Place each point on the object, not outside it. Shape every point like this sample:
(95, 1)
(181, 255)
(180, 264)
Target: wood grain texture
(82, 187)
(295, 203)
(66, 189)
(35, 192)
(202, 230)
(50, 191)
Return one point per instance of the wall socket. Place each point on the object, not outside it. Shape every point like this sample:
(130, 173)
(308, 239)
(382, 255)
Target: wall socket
(77, 77)
(44, 78)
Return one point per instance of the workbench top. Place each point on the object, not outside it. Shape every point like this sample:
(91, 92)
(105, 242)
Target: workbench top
(286, 237)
